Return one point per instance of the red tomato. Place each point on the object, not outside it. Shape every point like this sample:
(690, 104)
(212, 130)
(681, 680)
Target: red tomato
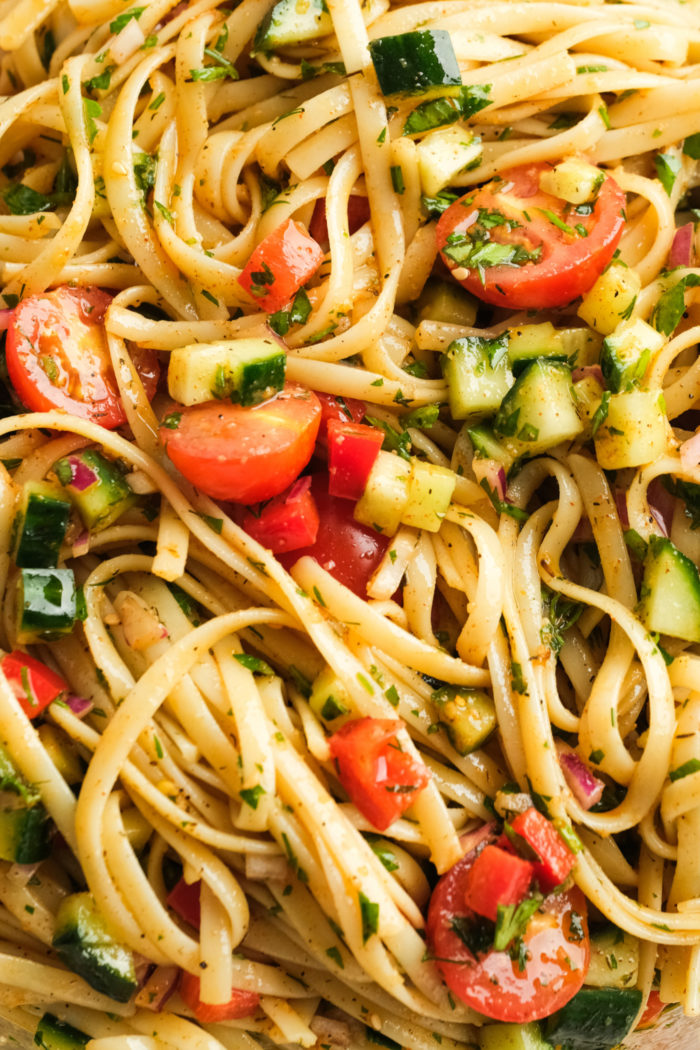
(244, 454)
(345, 409)
(184, 900)
(380, 779)
(512, 211)
(358, 214)
(347, 550)
(57, 356)
(652, 1011)
(352, 450)
(555, 858)
(287, 522)
(34, 684)
(496, 877)
(280, 264)
(556, 940)
(241, 1003)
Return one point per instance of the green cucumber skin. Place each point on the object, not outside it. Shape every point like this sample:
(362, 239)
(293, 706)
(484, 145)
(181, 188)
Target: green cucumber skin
(670, 592)
(414, 63)
(48, 602)
(25, 835)
(260, 379)
(595, 1019)
(86, 946)
(102, 503)
(54, 1034)
(42, 531)
(284, 25)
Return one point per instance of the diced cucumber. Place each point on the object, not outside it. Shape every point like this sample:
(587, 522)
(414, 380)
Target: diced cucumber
(530, 341)
(478, 375)
(487, 446)
(670, 592)
(415, 63)
(86, 945)
(627, 352)
(53, 1034)
(614, 959)
(595, 1019)
(384, 500)
(138, 830)
(539, 410)
(634, 431)
(12, 780)
(443, 154)
(447, 302)
(59, 749)
(96, 487)
(41, 525)
(513, 1037)
(588, 392)
(329, 698)
(581, 346)
(292, 22)
(25, 834)
(611, 299)
(47, 604)
(573, 180)
(430, 490)
(469, 716)
(245, 371)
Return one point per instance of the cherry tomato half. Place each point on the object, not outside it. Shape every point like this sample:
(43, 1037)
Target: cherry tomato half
(347, 550)
(241, 1003)
(558, 252)
(244, 454)
(526, 987)
(57, 356)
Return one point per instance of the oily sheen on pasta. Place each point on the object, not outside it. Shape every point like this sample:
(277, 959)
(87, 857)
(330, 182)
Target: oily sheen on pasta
(190, 770)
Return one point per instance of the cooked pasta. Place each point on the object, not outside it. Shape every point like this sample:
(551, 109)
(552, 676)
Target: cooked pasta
(186, 775)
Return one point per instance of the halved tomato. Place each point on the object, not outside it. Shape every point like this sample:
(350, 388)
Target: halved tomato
(513, 245)
(244, 454)
(57, 356)
(241, 1003)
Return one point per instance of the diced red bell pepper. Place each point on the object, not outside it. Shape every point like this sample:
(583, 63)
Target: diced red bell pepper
(555, 858)
(652, 1011)
(497, 877)
(380, 779)
(345, 409)
(287, 522)
(184, 900)
(352, 450)
(34, 684)
(280, 265)
(358, 214)
(241, 1003)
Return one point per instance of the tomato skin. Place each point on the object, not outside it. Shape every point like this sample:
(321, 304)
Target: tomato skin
(244, 455)
(568, 265)
(358, 215)
(241, 1003)
(184, 900)
(352, 451)
(371, 768)
(555, 858)
(344, 409)
(44, 684)
(349, 551)
(280, 264)
(288, 522)
(652, 1011)
(62, 331)
(493, 984)
(496, 877)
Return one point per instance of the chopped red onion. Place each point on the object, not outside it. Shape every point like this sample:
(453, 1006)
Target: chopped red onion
(472, 839)
(682, 249)
(661, 505)
(328, 1030)
(621, 504)
(266, 867)
(79, 705)
(587, 788)
(83, 476)
(493, 472)
(690, 451)
(588, 370)
(158, 988)
(298, 488)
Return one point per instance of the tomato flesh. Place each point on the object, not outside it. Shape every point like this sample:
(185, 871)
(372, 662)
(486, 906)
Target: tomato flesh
(555, 858)
(244, 454)
(288, 522)
(57, 356)
(241, 1003)
(280, 265)
(344, 409)
(34, 684)
(560, 252)
(496, 877)
(555, 941)
(349, 551)
(380, 780)
(352, 451)
(652, 1011)
(184, 900)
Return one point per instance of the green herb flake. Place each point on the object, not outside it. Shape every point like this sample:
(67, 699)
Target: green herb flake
(369, 912)
(667, 167)
(689, 767)
(253, 664)
(123, 19)
(252, 795)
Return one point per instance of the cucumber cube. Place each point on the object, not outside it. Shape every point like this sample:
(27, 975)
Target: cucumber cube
(47, 604)
(414, 63)
(443, 154)
(329, 698)
(589, 394)
(86, 945)
(384, 500)
(469, 716)
(627, 353)
(53, 1034)
(41, 525)
(447, 302)
(530, 341)
(573, 180)
(429, 493)
(245, 371)
(513, 1037)
(539, 411)
(670, 592)
(614, 959)
(292, 22)
(611, 299)
(25, 834)
(635, 430)
(96, 486)
(487, 446)
(478, 375)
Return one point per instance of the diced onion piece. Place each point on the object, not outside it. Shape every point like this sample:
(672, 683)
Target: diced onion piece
(586, 787)
(588, 370)
(140, 624)
(682, 249)
(79, 705)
